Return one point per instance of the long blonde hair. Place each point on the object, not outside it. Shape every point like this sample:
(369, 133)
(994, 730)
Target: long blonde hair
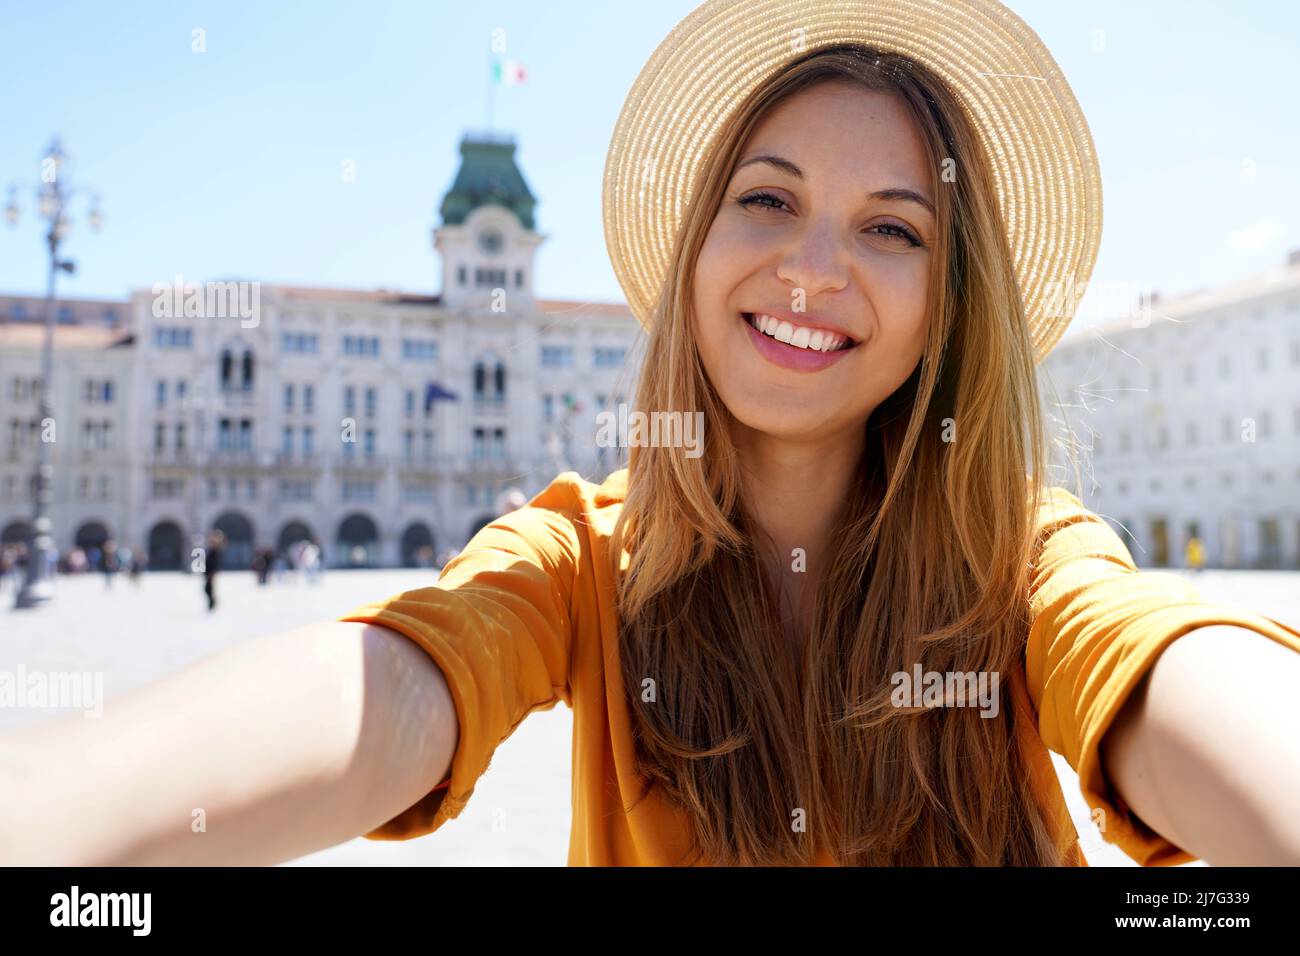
(930, 567)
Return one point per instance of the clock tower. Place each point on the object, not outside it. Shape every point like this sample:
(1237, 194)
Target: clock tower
(487, 238)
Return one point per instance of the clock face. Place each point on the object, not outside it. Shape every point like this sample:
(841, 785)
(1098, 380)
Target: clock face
(489, 240)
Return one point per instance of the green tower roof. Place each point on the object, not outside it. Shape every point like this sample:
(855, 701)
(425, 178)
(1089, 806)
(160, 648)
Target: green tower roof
(488, 174)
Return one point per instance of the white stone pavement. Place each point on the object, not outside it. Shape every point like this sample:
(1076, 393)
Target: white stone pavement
(520, 810)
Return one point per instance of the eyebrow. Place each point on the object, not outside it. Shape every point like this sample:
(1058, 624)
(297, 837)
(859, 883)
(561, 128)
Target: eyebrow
(893, 194)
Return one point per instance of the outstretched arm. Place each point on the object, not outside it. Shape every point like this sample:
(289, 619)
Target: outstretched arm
(270, 750)
(1206, 750)
(1174, 711)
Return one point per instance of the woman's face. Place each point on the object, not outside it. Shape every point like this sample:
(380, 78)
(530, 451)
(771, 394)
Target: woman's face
(829, 236)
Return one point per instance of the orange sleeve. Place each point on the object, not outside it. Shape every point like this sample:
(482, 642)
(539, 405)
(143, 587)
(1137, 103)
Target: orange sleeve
(498, 624)
(1098, 625)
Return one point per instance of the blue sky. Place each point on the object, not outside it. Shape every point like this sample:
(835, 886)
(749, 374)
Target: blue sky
(227, 163)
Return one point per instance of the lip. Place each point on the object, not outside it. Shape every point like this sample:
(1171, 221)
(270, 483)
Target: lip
(787, 356)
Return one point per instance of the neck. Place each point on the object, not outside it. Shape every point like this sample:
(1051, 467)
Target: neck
(794, 491)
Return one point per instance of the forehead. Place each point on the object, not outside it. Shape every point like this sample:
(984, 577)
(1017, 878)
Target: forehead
(838, 128)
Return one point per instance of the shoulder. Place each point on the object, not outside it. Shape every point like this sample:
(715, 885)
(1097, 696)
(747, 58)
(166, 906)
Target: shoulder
(1066, 528)
(563, 531)
(1056, 505)
(570, 509)
(570, 490)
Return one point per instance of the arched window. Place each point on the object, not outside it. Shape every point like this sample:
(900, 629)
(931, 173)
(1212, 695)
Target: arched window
(248, 369)
(227, 367)
(480, 379)
(500, 376)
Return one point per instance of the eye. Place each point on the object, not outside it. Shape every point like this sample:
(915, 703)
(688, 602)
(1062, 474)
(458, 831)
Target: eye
(763, 199)
(894, 230)
(766, 200)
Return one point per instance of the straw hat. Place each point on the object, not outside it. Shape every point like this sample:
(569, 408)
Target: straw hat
(1035, 136)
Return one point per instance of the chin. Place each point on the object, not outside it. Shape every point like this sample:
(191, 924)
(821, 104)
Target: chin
(761, 411)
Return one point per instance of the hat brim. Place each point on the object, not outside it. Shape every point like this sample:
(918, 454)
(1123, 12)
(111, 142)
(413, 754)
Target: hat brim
(1034, 134)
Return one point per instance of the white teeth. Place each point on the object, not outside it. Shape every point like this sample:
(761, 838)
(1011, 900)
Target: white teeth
(802, 337)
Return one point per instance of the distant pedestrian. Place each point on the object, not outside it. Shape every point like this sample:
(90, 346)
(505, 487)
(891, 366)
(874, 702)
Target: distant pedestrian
(279, 567)
(1195, 554)
(262, 565)
(108, 562)
(211, 565)
(311, 561)
(138, 561)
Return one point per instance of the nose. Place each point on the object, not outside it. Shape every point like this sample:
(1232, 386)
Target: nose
(816, 260)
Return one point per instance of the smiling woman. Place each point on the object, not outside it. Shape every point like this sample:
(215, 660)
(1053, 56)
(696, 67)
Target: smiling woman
(915, 178)
(821, 207)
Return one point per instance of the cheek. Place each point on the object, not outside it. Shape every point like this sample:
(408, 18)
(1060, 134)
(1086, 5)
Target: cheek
(709, 281)
(899, 293)
(720, 269)
(721, 262)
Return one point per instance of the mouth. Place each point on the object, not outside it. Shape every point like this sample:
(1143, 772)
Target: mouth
(798, 337)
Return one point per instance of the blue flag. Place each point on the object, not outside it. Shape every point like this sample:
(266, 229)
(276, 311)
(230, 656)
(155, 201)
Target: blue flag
(435, 392)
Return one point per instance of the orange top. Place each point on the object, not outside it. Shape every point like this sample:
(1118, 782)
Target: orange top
(524, 618)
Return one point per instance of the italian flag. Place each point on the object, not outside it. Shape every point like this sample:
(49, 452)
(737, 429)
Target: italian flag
(507, 72)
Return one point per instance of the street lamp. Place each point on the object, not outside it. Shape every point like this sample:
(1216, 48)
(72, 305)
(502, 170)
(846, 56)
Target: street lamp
(52, 201)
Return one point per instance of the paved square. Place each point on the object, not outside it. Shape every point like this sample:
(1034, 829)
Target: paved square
(520, 810)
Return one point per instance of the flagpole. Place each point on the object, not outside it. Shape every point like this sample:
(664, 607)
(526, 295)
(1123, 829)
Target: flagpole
(491, 90)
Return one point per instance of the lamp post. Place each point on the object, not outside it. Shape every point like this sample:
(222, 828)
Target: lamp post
(52, 206)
